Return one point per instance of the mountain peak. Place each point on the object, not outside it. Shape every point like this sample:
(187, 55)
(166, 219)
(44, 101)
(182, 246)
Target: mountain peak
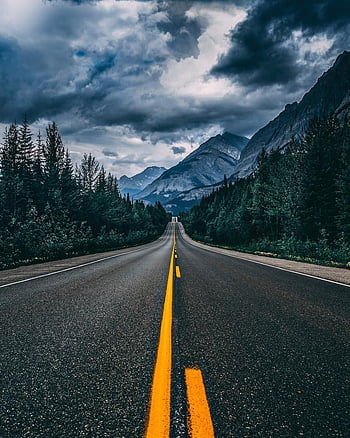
(226, 143)
(234, 139)
(206, 165)
(135, 184)
(343, 58)
(328, 96)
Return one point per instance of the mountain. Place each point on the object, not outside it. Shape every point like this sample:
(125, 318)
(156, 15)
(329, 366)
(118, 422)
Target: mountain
(137, 183)
(186, 200)
(330, 95)
(205, 166)
(180, 187)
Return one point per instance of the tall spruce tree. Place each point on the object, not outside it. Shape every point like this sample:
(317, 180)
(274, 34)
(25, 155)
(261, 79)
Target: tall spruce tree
(26, 149)
(53, 154)
(321, 167)
(10, 170)
(343, 184)
(88, 172)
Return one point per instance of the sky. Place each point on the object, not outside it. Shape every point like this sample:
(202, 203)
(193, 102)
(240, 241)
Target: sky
(143, 83)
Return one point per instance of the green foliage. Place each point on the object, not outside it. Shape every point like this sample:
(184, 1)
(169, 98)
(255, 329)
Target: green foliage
(296, 203)
(48, 210)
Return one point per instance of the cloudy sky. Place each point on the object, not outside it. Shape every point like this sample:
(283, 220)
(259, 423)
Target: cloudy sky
(141, 83)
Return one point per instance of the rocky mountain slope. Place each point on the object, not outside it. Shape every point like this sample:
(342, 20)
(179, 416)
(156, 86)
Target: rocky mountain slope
(137, 183)
(330, 95)
(205, 166)
(182, 186)
(186, 200)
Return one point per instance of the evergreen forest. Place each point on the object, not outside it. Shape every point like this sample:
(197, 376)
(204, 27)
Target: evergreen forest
(296, 204)
(50, 209)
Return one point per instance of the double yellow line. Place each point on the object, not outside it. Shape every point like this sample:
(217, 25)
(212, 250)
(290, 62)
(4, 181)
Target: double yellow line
(159, 412)
(199, 419)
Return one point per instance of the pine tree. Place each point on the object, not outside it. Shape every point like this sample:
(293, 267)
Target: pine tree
(25, 150)
(10, 151)
(88, 172)
(53, 153)
(53, 158)
(343, 185)
(101, 182)
(321, 164)
(69, 187)
(64, 211)
(11, 184)
(38, 175)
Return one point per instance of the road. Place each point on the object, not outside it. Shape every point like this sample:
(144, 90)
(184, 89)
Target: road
(79, 348)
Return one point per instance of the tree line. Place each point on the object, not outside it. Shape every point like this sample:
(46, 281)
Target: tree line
(51, 209)
(295, 204)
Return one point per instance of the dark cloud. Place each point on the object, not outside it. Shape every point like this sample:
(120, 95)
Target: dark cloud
(102, 65)
(48, 75)
(184, 31)
(107, 153)
(262, 50)
(115, 84)
(171, 118)
(178, 150)
(113, 71)
(17, 80)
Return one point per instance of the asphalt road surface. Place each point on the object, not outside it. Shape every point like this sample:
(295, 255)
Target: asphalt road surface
(78, 348)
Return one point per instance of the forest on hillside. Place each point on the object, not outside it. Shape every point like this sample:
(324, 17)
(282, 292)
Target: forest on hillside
(296, 203)
(50, 209)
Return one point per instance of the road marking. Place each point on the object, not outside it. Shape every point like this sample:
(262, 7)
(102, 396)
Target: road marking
(200, 424)
(166, 233)
(70, 269)
(265, 264)
(178, 273)
(159, 410)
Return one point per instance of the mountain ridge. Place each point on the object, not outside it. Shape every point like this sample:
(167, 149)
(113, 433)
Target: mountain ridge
(206, 165)
(136, 183)
(329, 94)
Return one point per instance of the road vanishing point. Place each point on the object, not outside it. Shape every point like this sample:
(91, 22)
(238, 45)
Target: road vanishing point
(172, 339)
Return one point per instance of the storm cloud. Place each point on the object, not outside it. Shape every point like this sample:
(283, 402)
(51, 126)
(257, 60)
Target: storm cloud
(141, 83)
(267, 48)
(178, 150)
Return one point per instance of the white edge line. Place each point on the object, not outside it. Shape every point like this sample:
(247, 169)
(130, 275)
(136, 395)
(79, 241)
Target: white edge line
(69, 269)
(265, 264)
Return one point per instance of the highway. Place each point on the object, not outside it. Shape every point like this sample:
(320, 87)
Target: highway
(173, 340)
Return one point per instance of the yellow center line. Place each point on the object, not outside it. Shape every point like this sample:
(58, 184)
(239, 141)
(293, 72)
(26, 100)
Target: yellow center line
(158, 425)
(199, 420)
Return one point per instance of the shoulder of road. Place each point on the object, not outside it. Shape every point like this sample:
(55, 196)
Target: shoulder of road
(338, 275)
(23, 273)
(333, 274)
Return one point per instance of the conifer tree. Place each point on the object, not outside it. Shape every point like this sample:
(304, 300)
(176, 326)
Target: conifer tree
(88, 172)
(53, 154)
(321, 165)
(38, 175)
(343, 185)
(10, 170)
(25, 149)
